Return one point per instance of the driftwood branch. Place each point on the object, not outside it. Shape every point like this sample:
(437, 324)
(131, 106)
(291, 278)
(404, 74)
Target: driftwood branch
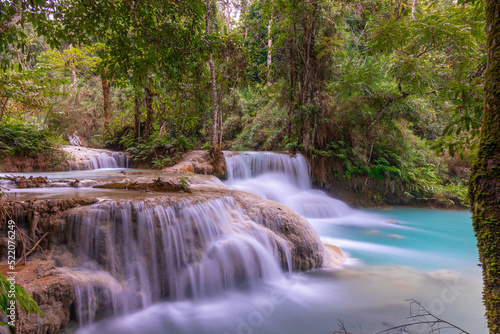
(32, 249)
(418, 317)
(423, 317)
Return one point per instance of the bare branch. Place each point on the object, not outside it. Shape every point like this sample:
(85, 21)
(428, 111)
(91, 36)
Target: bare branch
(419, 318)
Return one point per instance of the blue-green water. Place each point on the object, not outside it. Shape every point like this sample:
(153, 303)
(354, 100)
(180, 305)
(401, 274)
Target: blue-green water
(423, 239)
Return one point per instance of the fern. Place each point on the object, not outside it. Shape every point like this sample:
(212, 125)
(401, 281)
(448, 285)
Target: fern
(22, 299)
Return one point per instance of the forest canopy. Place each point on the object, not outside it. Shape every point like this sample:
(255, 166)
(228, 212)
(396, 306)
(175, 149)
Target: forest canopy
(384, 96)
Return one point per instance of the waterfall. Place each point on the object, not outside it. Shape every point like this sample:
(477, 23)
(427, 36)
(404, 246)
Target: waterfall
(283, 178)
(83, 158)
(109, 159)
(137, 252)
(252, 164)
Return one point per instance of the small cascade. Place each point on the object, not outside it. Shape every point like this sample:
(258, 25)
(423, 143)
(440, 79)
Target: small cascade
(75, 140)
(317, 205)
(95, 291)
(83, 158)
(253, 164)
(133, 253)
(283, 178)
(110, 160)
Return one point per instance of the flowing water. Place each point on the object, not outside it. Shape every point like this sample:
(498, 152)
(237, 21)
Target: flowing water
(223, 275)
(186, 250)
(90, 158)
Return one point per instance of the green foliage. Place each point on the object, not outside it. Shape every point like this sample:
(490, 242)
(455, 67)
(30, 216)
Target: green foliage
(363, 83)
(13, 14)
(162, 162)
(151, 36)
(24, 139)
(26, 93)
(439, 56)
(261, 119)
(22, 298)
(184, 182)
(160, 151)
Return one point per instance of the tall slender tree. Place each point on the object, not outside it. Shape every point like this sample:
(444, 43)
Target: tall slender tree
(215, 103)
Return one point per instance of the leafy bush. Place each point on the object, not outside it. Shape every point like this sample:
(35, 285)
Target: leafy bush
(24, 139)
(160, 151)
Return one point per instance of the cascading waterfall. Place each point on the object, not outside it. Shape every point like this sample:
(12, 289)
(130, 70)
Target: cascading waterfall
(109, 159)
(84, 158)
(142, 251)
(283, 178)
(252, 164)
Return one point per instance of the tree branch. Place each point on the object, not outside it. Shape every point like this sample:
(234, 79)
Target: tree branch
(14, 19)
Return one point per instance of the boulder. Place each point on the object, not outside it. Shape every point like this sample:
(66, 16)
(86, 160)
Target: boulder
(52, 290)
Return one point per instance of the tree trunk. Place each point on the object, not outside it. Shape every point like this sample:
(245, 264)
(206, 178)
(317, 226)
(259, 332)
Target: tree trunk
(484, 184)
(105, 94)
(228, 16)
(137, 115)
(269, 54)
(221, 130)
(413, 9)
(4, 107)
(213, 139)
(148, 128)
(291, 107)
(75, 80)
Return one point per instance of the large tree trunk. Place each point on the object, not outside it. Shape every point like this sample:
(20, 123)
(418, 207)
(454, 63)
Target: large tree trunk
(484, 185)
(215, 104)
(105, 95)
(148, 128)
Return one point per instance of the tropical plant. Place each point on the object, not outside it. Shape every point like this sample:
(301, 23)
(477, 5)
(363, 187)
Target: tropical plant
(12, 297)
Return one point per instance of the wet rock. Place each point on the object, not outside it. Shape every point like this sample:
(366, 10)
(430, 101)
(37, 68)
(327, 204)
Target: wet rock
(52, 290)
(157, 184)
(307, 249)
(200, 162)
(334, 256)
(393, 222)
(23, 182)
(39, 216)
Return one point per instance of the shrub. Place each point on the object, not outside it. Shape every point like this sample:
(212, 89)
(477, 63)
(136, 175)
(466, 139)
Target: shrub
(24, 139)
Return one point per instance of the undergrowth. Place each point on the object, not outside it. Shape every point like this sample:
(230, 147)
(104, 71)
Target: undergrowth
(25, 140)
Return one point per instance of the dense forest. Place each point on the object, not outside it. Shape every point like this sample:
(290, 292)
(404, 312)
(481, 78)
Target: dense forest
(389, 102)
(383, 97)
